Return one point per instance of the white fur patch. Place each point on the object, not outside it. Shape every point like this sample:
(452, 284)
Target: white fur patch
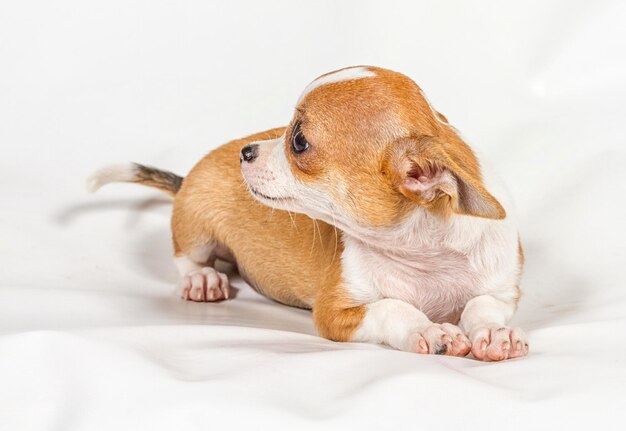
(185, 265)
(391, 322)
(341, 75)
(356, 274)
(271, 175)
(485, 310)
(111, 174)
(195, 260)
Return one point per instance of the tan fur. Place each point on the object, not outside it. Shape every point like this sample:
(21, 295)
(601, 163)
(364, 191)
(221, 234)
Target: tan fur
(335, 314)
(355, 127)
(369, 118)
(273, 249)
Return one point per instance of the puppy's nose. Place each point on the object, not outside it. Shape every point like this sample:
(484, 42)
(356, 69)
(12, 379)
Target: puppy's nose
(249, 153)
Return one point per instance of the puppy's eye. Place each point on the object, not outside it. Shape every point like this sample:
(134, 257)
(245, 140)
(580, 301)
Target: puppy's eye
(299, 143)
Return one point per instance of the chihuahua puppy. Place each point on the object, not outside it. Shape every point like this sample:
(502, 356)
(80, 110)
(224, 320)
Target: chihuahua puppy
(368, 208)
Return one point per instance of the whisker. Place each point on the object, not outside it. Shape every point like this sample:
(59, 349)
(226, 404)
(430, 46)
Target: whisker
(293, 222)
(332, 214)
(313, 241)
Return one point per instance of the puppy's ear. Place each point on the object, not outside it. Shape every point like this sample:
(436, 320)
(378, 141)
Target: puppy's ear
(443, 178)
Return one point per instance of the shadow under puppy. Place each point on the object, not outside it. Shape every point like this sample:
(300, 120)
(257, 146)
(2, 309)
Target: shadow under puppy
(407, 236)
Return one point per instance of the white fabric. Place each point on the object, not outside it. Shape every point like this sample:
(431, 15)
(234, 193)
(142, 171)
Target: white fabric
(92, 337)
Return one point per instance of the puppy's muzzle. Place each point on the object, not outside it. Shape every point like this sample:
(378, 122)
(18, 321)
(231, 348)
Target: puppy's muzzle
(249, 153)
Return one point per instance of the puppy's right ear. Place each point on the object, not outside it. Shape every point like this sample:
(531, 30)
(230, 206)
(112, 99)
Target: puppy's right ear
(441, 179)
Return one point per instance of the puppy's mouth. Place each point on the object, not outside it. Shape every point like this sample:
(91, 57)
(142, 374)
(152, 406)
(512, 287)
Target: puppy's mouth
(269, 198)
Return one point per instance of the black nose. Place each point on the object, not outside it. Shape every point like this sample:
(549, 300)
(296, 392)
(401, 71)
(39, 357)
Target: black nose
(249, 153)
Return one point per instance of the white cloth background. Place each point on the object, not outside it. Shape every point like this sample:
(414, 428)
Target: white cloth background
(92, 337)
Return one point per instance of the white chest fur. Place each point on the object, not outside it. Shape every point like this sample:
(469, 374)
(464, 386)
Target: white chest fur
(436, 268)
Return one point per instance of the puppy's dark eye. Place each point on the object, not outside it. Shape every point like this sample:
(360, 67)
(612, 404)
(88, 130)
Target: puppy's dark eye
(299, 144)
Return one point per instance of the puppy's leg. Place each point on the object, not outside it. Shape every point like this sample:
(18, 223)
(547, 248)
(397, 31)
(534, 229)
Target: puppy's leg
(392, 322)
(199, 280)
(404, 327)
(484, 321)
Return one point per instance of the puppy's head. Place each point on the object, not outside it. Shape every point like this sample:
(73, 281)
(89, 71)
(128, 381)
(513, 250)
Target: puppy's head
(365, 148)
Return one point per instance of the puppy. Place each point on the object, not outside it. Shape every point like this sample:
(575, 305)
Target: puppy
(368, 208)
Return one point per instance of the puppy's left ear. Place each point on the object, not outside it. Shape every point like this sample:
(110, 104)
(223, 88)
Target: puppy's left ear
(441, 177)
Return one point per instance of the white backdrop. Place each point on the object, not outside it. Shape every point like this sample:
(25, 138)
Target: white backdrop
(91, 335)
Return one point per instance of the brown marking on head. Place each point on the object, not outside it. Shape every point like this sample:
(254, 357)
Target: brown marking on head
(369, 136)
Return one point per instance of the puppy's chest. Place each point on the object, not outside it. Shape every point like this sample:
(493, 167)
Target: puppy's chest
(438, 281)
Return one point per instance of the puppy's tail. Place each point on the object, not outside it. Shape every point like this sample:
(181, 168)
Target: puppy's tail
(135, 173)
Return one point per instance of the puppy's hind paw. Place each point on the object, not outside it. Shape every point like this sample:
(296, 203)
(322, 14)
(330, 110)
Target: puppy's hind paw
(205, 285)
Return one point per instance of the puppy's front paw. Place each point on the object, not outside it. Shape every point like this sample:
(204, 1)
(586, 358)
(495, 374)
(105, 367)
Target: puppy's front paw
(205, 284)
(443, 339)
(497, 343)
